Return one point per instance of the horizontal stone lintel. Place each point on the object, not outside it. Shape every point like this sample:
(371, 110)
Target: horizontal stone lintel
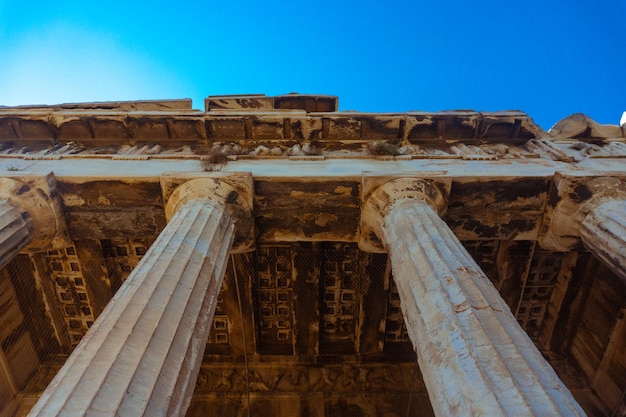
(58, 125)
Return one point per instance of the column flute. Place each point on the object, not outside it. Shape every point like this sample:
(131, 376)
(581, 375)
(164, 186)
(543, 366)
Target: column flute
(475, 357)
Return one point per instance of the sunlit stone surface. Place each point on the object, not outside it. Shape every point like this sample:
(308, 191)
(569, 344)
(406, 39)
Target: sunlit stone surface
(604, 232)
(143, 354)
(475, 358)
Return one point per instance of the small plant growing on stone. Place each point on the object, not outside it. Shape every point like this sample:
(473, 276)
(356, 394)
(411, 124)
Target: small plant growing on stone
(383, 148)
(214, 160)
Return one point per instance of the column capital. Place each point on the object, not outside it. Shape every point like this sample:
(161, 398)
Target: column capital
(38, 199)
(603, 232)
(572, 199)
(233, 190)
(381, 194)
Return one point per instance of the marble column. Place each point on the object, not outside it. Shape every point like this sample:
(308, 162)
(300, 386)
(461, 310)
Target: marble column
(591, 211)
(475, 357)
(603, 232)
(142, 356)
(30, 216)
(15, 231)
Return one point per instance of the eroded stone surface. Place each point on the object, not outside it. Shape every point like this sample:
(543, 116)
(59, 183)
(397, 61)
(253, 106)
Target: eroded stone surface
(311, 317)
(475, 358)
(571, 199)
(37, 200)
(15, 232)
(581, 125)
(590, 212)
(604, 232)
(143, 354)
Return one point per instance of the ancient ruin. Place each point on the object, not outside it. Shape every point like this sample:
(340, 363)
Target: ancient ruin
(273, 256)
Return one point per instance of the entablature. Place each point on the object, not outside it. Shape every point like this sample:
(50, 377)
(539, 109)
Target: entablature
(253, 121)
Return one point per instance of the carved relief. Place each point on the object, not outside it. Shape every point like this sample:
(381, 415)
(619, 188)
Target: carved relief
(298, 379)
(345, 378)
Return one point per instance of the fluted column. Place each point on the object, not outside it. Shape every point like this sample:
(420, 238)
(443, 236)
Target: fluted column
(30, 216)
(603, 232)
(15, 231)
(475, 357)
(141, 357)
(591, 211)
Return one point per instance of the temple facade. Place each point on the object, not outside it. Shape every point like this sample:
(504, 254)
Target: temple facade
(273, 256)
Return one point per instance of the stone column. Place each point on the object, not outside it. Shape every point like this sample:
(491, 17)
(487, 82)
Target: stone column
(15, 231)
(591, 211)
(30, 218)
(475, 358)
(142, 356)
(30, 215)
(603, 232)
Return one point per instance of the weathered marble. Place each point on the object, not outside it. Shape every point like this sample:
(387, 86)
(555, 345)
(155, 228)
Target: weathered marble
(578, 124)
(15, 231)
(603, 231)
(36, 200)
(588, 213)
(142, 355)
(318, 322)
(475, 358)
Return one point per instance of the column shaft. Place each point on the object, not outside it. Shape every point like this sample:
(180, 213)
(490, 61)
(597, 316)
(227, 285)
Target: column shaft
(475, 358)
(15, 232)
(142, 356)
(603, 232)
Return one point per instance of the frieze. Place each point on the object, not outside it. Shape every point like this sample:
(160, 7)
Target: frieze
(295, 378)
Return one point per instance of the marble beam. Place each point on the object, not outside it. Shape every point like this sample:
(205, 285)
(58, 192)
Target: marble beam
(142, 356)
(475, 357)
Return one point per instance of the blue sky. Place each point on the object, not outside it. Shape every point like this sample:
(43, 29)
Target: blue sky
(548, 58)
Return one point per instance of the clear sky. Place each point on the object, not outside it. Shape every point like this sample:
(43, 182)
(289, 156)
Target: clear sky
(548, 58)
